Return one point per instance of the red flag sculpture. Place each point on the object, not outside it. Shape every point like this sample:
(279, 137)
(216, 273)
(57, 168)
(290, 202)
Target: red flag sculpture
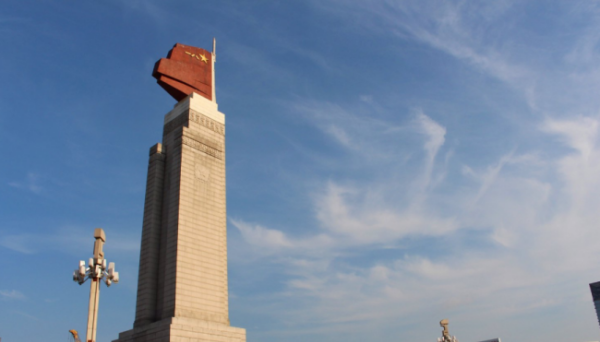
(186, 69)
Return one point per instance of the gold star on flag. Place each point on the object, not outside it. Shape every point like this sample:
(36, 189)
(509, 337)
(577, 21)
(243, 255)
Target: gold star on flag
(204, 59)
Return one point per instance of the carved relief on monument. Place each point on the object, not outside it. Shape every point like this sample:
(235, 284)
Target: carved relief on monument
(201, 144)
(207, 122)
(193, 116)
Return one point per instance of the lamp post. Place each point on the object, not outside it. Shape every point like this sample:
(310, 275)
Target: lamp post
(96, 271)
(445, 333)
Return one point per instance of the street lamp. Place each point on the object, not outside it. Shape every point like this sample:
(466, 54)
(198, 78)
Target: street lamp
(96, 271)
(445, 333)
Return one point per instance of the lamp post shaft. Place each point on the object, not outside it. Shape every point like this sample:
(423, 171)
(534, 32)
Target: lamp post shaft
(93, 310)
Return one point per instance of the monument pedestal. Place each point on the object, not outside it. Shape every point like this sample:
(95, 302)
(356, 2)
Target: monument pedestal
(177, 329)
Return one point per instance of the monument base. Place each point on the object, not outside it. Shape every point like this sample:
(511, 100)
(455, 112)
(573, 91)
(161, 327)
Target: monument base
(179, 329)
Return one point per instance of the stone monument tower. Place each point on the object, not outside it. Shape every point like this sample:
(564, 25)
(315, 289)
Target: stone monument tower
(182, 287)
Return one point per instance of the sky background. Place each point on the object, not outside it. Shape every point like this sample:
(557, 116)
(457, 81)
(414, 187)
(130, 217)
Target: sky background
(389, 163)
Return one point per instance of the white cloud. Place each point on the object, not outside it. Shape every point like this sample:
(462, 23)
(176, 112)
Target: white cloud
(351, 214)
(435, 134)
(536, 225)
(260, 236)
(12, 294)
(366, 98)
(26, 315)
(488, 177)
(66, 239)
(435, 140)
(31, 183)
(578, 133)
(509, 236)
(455, 27)
(359, 130)
(339, 134)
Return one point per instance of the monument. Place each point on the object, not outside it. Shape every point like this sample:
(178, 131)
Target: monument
(182, 286)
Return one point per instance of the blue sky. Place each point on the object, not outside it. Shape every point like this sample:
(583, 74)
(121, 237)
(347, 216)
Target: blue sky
(389, 163)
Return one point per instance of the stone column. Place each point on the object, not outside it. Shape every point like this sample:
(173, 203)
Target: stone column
(151, 232)
(182, 289)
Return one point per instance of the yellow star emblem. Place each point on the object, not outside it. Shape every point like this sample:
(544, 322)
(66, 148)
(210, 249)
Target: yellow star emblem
(204, 59)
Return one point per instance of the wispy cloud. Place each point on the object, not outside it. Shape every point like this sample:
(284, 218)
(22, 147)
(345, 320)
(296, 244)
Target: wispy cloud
(518, 202)
(489, 36)
(489, 176)
(456, 27)
(435, 134)
(256, 61)
(355, 215)
(359, 130)
(579, 133)
(262, 237)
(160, 15)
(11, 294)
(67, 239)
(500, 233)
(31, 183)
(26, 315)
